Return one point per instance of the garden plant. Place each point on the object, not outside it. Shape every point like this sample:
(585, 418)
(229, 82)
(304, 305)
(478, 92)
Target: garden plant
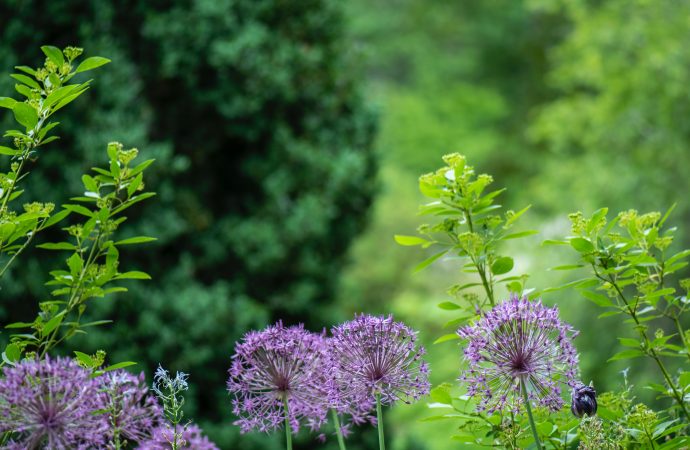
(519, 383)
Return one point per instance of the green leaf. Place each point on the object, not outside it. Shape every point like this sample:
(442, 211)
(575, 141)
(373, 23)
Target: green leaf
(448, 306)
(120, 365)
(446, 338)
(502, 265)
(599, 299)
(92, 63)
(582, 245)
(26, 80)
(136, 240)
(441, 394)
(12, 352)
(133, 275)
(79, 210)
(567, 267)
(598, 216)
(25, 114)
(429, 261)
(54, 54)
(8, 151)
(520, 234)
(52, 324)
(85, 359)
(7, 102)
(57, 246)
(75, 264)
(410, 240)
(626, 354)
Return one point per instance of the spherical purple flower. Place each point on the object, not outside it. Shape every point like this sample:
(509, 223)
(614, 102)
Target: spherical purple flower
(132, 412)
(518, 341)
(52, 404)
(192, 439)
(277, 365)
(378, 356)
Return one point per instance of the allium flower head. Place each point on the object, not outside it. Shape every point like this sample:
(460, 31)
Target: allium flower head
(274, 365)
(376, 355)
(191, 436)
(51, 404)
(132, 411)
(519, 340)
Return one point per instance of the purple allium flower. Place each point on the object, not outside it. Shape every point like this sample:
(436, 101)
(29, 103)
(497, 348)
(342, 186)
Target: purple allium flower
(376, 355)
(191, 435)
(276, 364)
(519, 340)
(52, 404)
(132, 411)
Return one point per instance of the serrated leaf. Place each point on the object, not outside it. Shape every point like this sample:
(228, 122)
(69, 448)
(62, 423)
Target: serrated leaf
(91, 63)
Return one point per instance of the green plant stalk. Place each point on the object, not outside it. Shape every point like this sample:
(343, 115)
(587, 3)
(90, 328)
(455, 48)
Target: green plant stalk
(379, 422)
(338, 430)
(681, 333)
(523, 387)
(652, 353)
(288, 429)
(481, 269)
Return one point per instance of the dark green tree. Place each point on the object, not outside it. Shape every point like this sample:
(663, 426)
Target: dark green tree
(265, 170)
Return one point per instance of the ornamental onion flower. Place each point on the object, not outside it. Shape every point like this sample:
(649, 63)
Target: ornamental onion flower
(277, 373)
(378, 356)
(519, 343)
(52, 404)
(378, 362)
(190, 437)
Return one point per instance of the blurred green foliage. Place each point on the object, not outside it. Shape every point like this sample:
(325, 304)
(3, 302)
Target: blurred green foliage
(253, 112)
(571, 105)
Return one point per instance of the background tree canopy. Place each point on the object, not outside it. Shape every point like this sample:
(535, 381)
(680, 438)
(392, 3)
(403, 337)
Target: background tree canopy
(264, 169)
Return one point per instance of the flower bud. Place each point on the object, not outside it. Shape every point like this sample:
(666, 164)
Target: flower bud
(584, 401)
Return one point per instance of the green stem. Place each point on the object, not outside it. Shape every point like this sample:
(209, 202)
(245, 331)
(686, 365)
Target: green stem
(288, 429)
(681, 333)
(529, 413)
(338, 431)
(379, 422)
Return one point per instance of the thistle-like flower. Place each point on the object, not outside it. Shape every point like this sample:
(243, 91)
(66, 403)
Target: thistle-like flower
(276, 368)
(53, 404)
(519, 342)
(584, 400)
(190, 437)
(376, 356)
(132, 413)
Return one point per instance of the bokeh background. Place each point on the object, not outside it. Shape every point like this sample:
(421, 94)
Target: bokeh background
(289, 135)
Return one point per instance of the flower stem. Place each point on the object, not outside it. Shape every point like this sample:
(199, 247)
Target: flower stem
(379, 422)
(288, 429)
(529, 413)
(338, 430)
